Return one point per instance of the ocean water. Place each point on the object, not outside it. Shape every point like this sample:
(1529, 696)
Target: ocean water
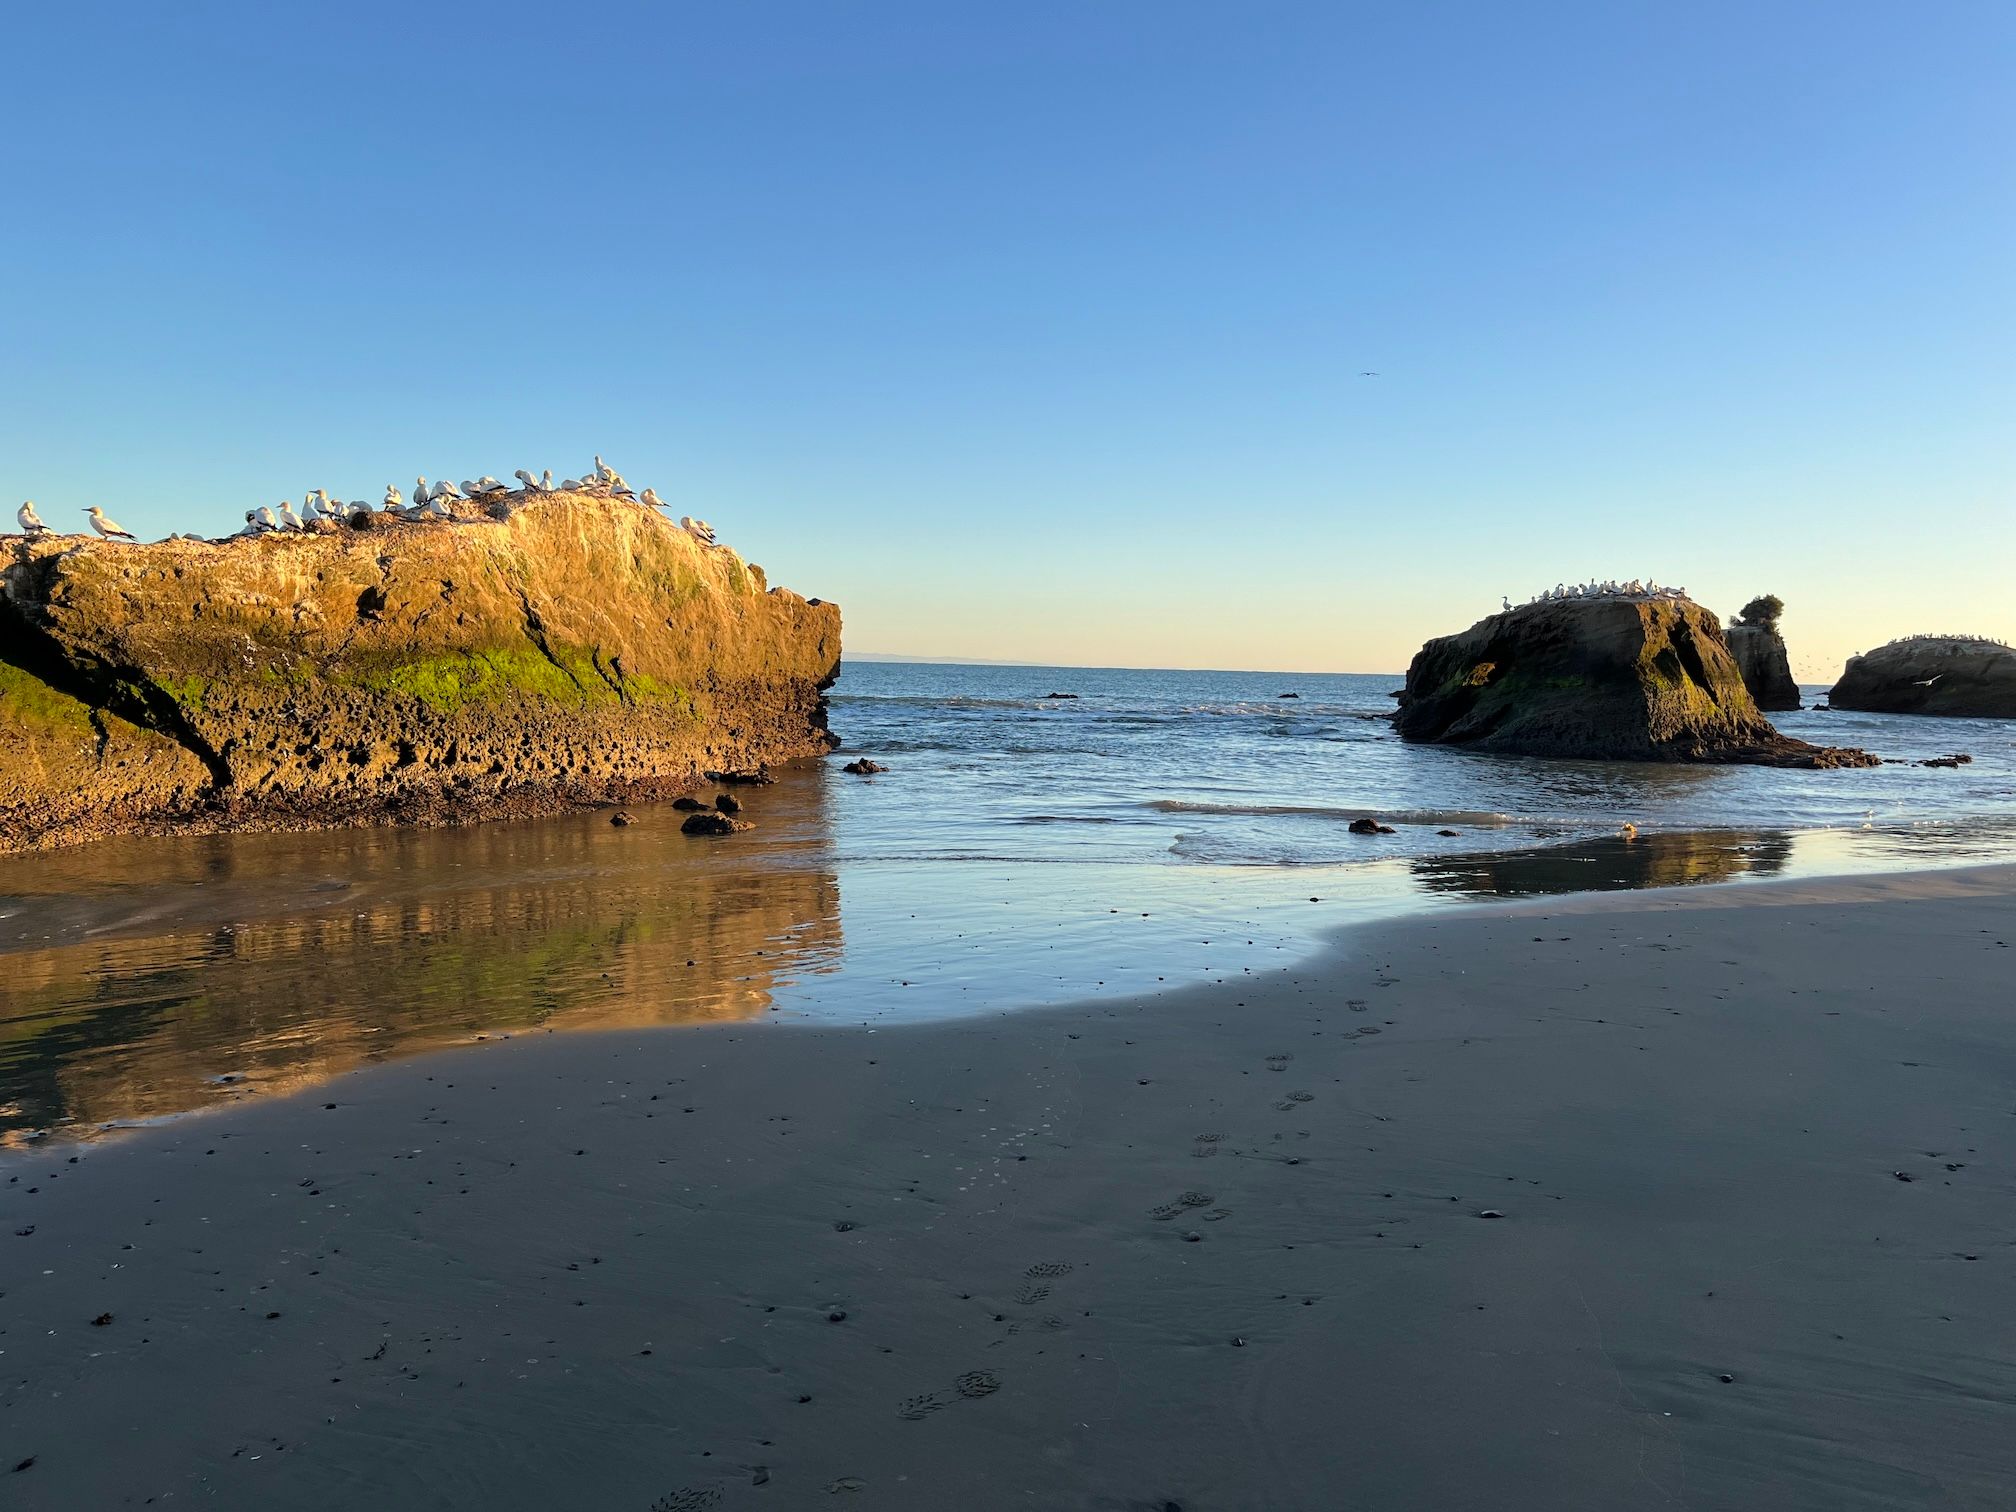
(1155, 830)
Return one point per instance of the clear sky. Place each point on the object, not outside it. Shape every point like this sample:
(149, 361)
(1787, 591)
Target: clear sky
(1035, 330)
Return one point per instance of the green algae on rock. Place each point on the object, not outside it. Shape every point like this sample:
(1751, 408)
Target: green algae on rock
(1617, 678)
(583, 650)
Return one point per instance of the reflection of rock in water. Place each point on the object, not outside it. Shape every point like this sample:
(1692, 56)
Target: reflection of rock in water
(1608, 865)
(438, 936)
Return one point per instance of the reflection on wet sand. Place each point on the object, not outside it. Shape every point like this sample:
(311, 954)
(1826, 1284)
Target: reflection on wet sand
(1609, 864)
(230, 965)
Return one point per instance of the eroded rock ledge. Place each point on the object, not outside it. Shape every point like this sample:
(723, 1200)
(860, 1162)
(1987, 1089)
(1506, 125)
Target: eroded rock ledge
(1609, 679)
(1959, 677)
(582, 650)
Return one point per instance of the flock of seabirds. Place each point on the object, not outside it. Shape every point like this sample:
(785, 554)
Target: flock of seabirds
(430, 502)
(1635, 589)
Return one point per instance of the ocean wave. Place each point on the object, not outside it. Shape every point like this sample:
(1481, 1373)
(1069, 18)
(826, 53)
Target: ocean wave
(1316, 811)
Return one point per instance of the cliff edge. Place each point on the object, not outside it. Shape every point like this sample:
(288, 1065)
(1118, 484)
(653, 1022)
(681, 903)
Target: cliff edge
(581, 650)
(1766, 666)
(1957, 676)
(1617, 677)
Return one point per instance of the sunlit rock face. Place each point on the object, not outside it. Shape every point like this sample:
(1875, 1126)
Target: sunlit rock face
(1634, 678)
(1956, 676)
(581, 650)
(1766, 667)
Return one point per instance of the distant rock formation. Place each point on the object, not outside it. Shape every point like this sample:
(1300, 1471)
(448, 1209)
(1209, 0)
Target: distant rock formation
(1767, 669)
(1616, 678)
(1961, 677)
(586, 650)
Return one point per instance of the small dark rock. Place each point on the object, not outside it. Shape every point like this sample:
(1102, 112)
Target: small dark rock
(1060, 695)
(620, 818)
(759, 778)
(728, 803)
(1448, 832)
(863, 767)
(1287, 695)
(713, 824)
(103, 1320)
(836, 1316)
(1726, 1379)
(688, 805)
(1364, 826)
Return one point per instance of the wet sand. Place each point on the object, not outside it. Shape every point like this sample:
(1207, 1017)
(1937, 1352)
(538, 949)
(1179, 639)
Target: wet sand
(1689, 1199)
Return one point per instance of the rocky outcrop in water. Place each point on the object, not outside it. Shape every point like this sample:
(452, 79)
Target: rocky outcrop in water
(1766, 667)
(1957, 676)
(581, 650)
(1636, 678)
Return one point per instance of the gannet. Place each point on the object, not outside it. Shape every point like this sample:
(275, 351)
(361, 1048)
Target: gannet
(650, 496)
(603, 470)
(699, 527)
(420, 495)
(489, 484)
(110, 529)
(393, 498)
(435, 508)
(446, 490)
(570, 485)
(1506, 602)
(288, 519)
(311, 508)
(524, 477)
(546, 481)
(266, 518)
(31, 522)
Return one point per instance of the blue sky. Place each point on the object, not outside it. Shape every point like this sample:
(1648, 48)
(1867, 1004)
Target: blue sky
(1035, 330)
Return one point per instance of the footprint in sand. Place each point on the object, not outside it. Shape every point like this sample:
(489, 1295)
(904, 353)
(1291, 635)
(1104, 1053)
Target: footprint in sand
(1029, 1293)
(1279, 1062)
(971, 1386)
(1301, 1097)
(1162, 1212)
(688, 1499)
(1206, 1145)
(1049, 1268)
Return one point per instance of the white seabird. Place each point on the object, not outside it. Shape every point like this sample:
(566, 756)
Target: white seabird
(110, 529)
(699, 528)
(420, 494)
(603, 471)
(267, 519)
(531, 483)
(570, 485)
(446, 490)
(288, 519)
(546, 481)
(393, 498)
(650, 497)
(489, 484)
(435, 508)
(31, 522)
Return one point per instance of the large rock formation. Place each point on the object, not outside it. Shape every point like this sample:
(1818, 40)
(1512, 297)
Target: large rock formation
(1767, 669)
(1953, 675)
(583, 649)
(1635, 678)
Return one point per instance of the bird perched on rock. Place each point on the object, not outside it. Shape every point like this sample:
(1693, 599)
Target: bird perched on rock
(546, 480)
(699, 527)
(435, 508)
(530, 483)
(253, 524)
(111, 530)
(488, 484)
(311, 510)
(446, 490)
(650, 497)
(31, 522)
(570, 485)
(393, 498)
(265, 518)
(420, 494)
(288, 519)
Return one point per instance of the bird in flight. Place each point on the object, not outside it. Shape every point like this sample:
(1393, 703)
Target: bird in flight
(1368, 375)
